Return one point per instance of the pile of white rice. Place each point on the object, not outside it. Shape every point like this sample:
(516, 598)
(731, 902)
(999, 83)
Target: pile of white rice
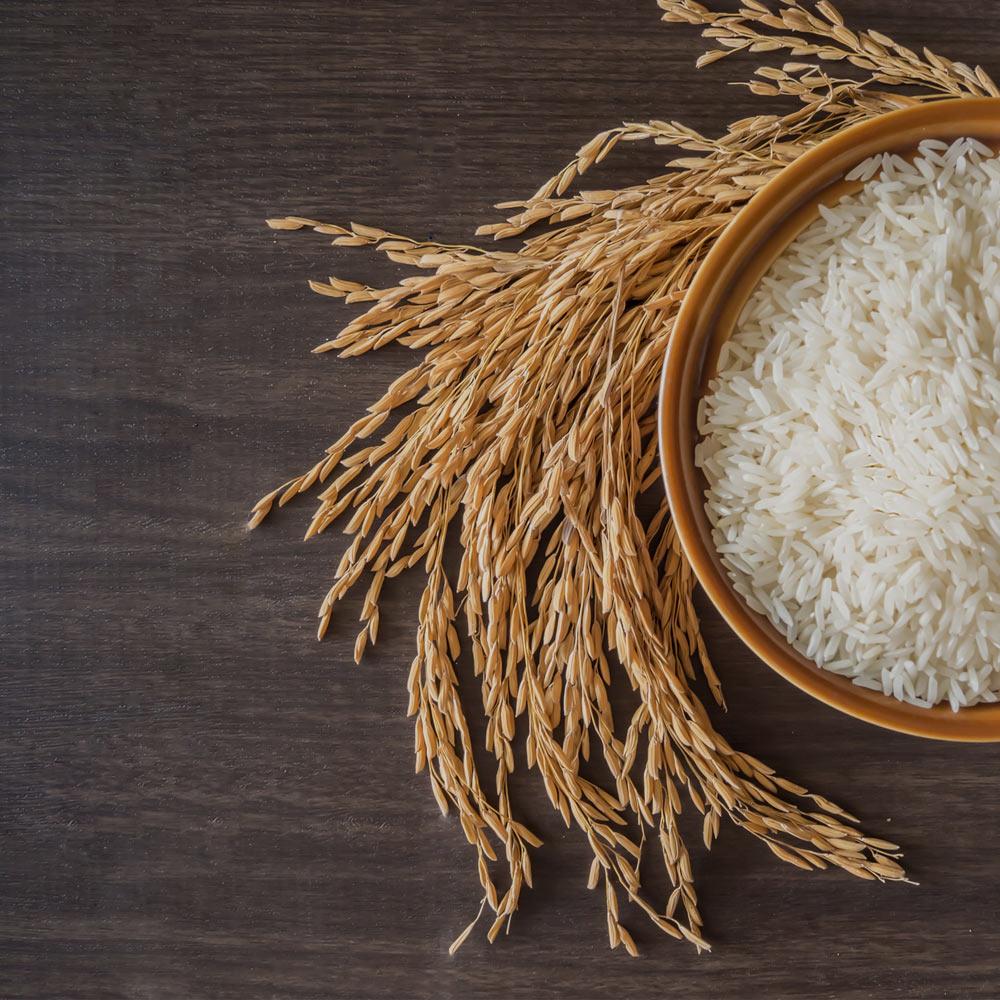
(851, 439)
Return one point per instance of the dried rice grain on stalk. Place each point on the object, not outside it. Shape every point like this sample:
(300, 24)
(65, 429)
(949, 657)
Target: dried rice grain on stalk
(532, 437)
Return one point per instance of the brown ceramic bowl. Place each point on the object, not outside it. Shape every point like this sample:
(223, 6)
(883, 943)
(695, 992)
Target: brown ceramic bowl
(770, 221)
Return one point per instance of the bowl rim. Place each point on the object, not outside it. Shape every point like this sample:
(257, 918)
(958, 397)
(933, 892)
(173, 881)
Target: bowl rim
(977, 723)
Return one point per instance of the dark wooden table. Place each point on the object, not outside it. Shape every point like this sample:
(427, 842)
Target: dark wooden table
(196, 799)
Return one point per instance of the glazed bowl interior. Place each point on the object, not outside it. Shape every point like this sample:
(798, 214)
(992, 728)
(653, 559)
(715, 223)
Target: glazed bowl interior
(740, 258)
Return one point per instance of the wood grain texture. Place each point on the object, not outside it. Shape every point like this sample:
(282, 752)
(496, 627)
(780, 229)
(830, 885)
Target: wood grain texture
(196, 799)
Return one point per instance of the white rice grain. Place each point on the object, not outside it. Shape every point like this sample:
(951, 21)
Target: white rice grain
(850, 438)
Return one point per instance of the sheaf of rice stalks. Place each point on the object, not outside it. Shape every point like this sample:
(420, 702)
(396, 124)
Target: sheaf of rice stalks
(530, 435)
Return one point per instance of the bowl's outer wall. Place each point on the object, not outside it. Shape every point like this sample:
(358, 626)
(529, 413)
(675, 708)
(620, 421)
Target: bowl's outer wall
(769, 222)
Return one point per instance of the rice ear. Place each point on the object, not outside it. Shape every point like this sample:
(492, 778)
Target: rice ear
(526, 432)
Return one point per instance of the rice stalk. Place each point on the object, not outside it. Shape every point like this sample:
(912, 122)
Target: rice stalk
(532, 436)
